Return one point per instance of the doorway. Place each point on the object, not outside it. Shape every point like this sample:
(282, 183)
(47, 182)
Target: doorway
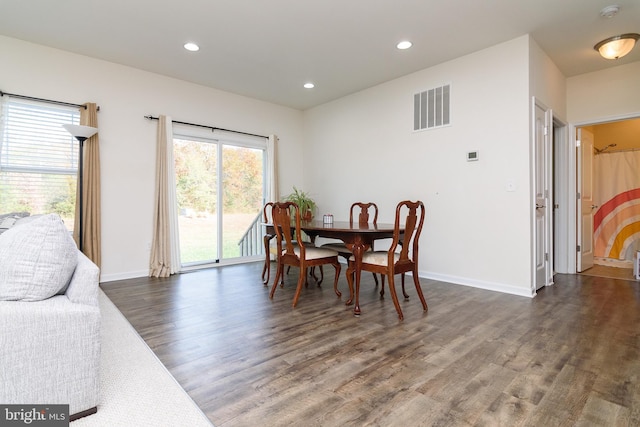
(615, 238)
(220, 193)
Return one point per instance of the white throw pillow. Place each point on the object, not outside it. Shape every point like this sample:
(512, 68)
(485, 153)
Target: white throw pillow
(37, 259)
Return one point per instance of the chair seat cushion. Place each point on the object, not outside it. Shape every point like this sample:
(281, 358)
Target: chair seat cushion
(377, 257)
(315, 253)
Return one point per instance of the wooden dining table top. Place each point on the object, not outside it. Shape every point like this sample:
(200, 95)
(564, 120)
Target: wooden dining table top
(346, 226)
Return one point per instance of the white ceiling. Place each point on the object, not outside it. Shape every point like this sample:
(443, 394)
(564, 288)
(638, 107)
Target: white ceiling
(267, 49)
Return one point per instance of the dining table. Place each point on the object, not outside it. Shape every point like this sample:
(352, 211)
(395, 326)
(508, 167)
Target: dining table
(357, 237)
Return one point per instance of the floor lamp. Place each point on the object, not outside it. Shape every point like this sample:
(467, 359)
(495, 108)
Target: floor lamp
(81, 133)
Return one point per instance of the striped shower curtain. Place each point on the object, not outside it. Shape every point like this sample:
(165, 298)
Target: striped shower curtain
(617, 195)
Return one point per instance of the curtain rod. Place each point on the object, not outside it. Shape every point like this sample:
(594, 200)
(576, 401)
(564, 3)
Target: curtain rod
(624, 150)
(213, 128)
(31, 98)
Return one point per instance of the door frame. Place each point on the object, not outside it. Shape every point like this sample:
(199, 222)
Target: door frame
(560, 211)
(544, 237)
(570, 199)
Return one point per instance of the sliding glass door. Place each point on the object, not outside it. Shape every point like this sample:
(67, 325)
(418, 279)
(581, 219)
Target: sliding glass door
(220, 192)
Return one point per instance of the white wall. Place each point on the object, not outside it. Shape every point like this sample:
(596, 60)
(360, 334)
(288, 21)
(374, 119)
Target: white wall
(548, 84)
(598, 96)
(127, 140)
(362, 148)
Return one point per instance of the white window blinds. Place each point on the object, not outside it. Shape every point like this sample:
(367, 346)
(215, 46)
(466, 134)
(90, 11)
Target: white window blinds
(33, 139)
(38, 157)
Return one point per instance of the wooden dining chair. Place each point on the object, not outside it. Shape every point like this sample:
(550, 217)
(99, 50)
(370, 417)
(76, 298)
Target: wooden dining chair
(303, 255)
(363, 214)
(270, 248)
(400, 258)
(269, 244)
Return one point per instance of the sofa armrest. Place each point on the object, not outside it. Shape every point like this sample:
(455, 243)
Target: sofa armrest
(84, 284)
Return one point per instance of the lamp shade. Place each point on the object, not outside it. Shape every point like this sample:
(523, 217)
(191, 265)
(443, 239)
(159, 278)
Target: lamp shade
(81, 132)
(617, 46)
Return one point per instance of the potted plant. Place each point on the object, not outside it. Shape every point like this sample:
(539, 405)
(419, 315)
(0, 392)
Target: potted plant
(305, 203)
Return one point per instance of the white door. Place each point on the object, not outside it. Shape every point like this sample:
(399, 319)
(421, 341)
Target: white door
(585, 206)
(542, 227)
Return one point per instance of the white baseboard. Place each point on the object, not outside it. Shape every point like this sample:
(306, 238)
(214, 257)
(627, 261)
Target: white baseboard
(123, 276)
(464, 281)
(481, 284)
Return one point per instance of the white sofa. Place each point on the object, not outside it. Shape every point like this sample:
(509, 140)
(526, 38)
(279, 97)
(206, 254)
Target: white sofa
(49, 318)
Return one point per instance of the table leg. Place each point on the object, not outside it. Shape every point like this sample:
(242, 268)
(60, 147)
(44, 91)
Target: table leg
(358, 249)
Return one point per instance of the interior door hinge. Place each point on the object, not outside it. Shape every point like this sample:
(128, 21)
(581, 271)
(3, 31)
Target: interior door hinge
(546, 130)
(546, 256)
(577, 143)
(578, 248)
(578, 196)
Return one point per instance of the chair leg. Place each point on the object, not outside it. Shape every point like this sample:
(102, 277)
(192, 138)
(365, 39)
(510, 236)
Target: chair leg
(404, 293)
(301, 279)
(350, 272)
(392, 290)
(313, 273)
(416, 281)
(266, 269)
(279, 272)
(336, 265)
(375, 279)
(382, 276)
(266, 272)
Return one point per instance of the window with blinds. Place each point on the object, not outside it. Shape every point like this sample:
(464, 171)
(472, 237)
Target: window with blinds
(38, 158)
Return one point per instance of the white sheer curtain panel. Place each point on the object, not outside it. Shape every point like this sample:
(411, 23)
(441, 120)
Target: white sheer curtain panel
(273, 194)
(165, 249)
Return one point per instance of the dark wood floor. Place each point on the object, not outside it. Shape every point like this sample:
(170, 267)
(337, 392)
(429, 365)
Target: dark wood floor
(570, 356)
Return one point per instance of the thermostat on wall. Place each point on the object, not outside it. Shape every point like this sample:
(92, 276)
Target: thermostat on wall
(472, 156)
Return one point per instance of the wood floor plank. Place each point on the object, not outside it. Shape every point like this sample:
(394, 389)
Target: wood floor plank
(569, 356)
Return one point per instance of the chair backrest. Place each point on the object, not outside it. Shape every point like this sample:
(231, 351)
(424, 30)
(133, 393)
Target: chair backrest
(266, 212)
(412, 214)
(287, 228)
(363, 215)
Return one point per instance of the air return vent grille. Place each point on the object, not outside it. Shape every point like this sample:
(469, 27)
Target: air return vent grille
(431, 108)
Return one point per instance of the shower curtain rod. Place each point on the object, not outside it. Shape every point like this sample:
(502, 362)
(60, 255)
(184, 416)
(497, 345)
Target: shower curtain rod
(618, 151)
(31, 98)
(213, 128)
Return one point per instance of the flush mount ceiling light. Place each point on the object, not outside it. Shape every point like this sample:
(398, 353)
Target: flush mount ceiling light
(610, 11)
(191, 47)
(405, 44)
(617, 46)
(309, 85)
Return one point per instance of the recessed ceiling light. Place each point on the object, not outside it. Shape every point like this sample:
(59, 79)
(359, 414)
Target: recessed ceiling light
(309, 85)
(192, 47)
(406, 44)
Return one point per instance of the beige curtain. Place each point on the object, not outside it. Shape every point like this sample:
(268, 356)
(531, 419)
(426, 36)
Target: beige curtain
(165, 258)
(272, 169)
(91, 228)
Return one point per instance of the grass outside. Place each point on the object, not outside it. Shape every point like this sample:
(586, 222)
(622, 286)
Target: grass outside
(198, 236)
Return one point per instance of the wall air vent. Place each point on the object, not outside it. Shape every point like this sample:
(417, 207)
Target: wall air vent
(431, 108)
